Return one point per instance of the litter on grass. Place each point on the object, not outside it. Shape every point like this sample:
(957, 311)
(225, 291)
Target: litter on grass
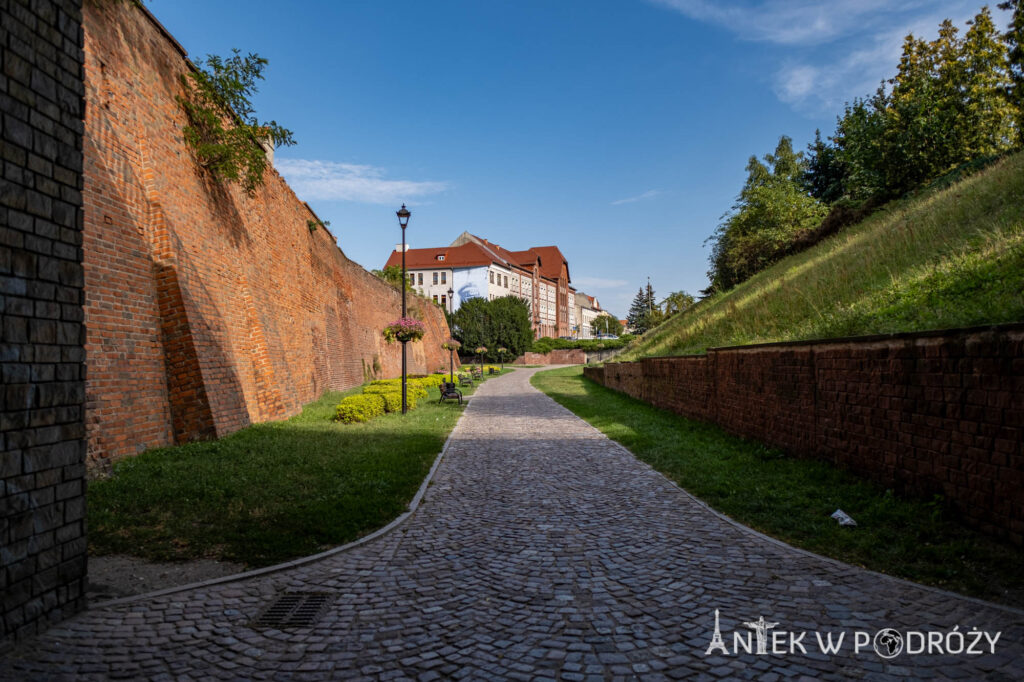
(843, 518)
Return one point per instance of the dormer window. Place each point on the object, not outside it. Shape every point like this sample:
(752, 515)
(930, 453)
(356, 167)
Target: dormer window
(440, 257)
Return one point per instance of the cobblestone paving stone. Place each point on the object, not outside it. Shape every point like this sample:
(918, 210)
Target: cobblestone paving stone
(542, 551)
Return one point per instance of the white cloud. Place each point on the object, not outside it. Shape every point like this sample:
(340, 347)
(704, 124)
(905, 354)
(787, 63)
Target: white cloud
(598, 283)
(790, 22)
(331, 181)
(646, 195)
(835, 50)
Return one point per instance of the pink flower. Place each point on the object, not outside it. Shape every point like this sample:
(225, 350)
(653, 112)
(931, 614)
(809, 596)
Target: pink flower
(404, 329)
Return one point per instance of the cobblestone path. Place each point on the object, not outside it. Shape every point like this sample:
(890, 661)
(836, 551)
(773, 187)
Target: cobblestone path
(542, 550)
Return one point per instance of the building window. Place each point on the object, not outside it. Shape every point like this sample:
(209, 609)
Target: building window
(435, 298)
(421, 278)
(444, 278)
(506, 282)
(435, 278)
(491, 273)
(412, 278)
(444, 301)
(440, 258)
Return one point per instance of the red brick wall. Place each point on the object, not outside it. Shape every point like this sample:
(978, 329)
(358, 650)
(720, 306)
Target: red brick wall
(206, 309)
(572, 356)
(935, 413)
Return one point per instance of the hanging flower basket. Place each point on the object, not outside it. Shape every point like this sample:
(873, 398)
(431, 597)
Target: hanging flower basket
(481, 349)
(451, 344)
(404, 329)
(502, 350)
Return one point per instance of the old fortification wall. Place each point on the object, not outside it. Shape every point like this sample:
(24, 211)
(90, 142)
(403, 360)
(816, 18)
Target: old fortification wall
(42, 445)
(206, 309)
(937, 413)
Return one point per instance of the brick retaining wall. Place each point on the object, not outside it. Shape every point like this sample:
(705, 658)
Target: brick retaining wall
(206, 309)
(934, 413)
(42, 449)
(572, 356)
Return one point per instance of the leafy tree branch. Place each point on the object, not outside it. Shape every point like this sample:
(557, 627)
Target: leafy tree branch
(223, 130)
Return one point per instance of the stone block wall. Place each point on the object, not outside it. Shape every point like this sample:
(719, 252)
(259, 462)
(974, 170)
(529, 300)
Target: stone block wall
(207, 309)
(938, 413)
(42, 446)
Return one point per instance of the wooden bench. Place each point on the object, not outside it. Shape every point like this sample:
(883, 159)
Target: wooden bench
(465, 380)
(449, 391)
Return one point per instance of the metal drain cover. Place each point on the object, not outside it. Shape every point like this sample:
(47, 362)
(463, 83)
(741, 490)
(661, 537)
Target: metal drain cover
(294, 610)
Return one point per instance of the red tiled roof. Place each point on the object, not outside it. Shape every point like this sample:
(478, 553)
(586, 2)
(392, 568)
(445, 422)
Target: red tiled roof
(482, 252)
(467, 255)
(551, 261)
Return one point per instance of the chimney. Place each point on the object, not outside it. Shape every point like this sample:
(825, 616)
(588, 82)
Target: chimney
(398, 248)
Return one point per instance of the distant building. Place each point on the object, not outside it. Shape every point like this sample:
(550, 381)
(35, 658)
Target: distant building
(587, 309)
(473, 267)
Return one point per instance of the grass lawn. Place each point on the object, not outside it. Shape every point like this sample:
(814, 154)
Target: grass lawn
(270, 492)
(791, 499)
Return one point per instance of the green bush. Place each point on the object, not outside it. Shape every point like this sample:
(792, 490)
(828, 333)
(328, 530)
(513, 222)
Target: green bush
(361, 408)
(546, 344)
(393, 401)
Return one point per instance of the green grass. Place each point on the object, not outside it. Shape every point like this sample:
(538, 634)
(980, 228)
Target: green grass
(792, 499)
(949, 258)
(270, 492)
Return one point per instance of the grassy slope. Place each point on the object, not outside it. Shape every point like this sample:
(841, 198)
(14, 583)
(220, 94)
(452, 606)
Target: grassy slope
(953, 258)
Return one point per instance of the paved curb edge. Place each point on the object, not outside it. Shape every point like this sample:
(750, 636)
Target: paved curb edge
(294, 563)
(781, 543)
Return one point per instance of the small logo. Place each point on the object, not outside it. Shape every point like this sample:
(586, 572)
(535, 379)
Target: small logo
(761, 628)
(888, 643)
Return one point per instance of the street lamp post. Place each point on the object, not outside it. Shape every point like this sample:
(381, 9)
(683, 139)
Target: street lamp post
(451, 351)
(403, 220)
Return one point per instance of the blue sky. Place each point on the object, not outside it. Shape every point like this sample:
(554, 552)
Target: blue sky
(617, 130)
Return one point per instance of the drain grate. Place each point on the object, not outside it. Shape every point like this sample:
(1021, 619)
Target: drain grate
(294, 610)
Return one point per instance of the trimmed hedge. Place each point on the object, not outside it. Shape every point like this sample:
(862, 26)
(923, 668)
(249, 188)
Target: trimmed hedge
(385, 395)
(393, 401)
(412, 390)
(362, 408)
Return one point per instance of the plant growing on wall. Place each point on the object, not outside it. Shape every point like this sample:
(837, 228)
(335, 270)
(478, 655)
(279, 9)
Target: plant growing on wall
(222, 129)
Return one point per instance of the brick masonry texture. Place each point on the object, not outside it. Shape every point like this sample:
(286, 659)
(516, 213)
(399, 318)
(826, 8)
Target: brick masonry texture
(927, 414)
(573, 356)
(42, 471)
(206, 309)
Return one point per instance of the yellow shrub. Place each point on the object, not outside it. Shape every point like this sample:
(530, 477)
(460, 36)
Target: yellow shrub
(361, 408)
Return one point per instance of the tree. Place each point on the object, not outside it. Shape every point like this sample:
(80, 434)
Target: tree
(986, 126)
(947, 105)
(503, 322)
(824, 177)
(677, 302)
(470, 324)
(772, 210)
(605, 324)
(510, 325)
(644, 313)
(392, 274)
(637, 309)
(222, 129)
(1014, 40)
